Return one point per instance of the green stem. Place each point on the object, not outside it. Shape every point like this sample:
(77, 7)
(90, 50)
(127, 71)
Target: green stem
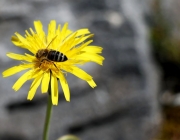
(48, 115)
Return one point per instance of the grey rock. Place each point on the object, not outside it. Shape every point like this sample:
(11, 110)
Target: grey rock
(123, 106)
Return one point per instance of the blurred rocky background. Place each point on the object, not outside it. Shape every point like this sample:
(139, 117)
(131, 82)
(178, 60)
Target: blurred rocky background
(137, 94)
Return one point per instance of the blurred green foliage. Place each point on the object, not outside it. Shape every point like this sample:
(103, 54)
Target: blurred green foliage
(166, 49)
(68, 137)
(165, 46)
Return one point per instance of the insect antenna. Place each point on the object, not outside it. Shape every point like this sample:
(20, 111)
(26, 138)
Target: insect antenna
(51, 41)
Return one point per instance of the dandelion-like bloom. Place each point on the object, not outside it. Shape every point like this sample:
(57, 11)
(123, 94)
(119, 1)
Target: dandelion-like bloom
(52, 56)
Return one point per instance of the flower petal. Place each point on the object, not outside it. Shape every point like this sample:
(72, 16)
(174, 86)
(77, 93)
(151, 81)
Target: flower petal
(17, 42)
(63, 32)
(82, 75)
(20, 57)
(27, 34)
(16, 69)
(26, 44)
(58, 30)
(62, 37)
(91, 57)
(32, 32)
(23, 40)
(92, 49)
(54, 89)
(66, 44)
(81, 39)
(32, 57)
(82, 32)
(76, 51)
(73, 62)
(78, 34)
(35, 84)
(92, 83)
(39, 29)
(18, 84)
(51, 31)
(64, 86)
(72, 39)
(37, 72)
(78, 72)
(45, 82)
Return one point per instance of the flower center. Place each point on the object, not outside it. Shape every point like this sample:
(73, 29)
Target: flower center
(47, 65)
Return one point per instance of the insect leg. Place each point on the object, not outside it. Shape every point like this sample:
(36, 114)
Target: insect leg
(55, 66)
(48, 61)
(42, 62)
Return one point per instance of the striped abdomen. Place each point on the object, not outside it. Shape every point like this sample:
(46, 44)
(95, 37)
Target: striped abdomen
(56, 56)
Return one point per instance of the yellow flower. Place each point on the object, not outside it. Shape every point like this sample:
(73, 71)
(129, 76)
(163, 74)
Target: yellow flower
(60, 44)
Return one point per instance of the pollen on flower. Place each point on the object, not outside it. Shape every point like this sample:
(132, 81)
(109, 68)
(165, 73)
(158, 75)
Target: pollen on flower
(46, 65)
(54, 54)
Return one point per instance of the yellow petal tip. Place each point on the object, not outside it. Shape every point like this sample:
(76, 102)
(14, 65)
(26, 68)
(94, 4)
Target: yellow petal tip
(55, 103)
(29, 99)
